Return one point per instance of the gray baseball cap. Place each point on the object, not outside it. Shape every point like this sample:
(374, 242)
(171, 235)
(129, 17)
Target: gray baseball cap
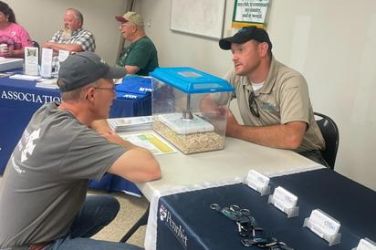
(83, 68)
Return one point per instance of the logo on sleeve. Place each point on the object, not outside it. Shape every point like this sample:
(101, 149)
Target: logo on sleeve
(30, 145)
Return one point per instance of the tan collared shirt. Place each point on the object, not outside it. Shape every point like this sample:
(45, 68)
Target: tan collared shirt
(282, 99)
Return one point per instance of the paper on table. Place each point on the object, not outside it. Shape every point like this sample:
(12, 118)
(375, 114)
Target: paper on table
(47, 83)
(127, 124)
(25, 77)
(10, 63)
(151, 141)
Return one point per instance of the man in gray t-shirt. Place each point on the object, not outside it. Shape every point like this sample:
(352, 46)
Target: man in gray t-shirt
(43, 201)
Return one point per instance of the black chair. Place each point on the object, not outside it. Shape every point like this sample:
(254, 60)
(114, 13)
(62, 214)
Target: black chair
(141, 222)
(35, 44)
(330, 133)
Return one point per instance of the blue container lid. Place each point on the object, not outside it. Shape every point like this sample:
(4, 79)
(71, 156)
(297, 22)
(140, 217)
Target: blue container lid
(190, 80)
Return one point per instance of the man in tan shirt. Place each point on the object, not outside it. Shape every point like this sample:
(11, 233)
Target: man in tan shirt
(273, 99)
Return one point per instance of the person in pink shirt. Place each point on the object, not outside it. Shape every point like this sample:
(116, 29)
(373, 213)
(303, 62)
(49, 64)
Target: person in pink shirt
(13, 37)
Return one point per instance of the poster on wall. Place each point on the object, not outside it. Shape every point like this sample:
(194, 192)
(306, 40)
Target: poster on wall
(250, 12)
(198, 17)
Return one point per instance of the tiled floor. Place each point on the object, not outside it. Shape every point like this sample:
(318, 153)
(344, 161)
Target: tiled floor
(131, 210)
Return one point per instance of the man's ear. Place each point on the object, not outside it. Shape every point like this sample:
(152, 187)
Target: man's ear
(263, 49)
(89, 94)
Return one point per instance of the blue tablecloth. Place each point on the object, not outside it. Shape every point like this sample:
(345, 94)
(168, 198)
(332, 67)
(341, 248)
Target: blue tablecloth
(19, 99)
(186, 221)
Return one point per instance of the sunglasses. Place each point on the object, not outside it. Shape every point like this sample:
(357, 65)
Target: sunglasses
(253, 105)
(112, 88)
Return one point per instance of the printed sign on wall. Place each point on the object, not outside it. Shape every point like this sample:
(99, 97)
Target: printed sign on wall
(250, 12)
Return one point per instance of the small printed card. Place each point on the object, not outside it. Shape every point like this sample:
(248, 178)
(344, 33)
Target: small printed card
(31, 61)
(366, 244)
(257, 181)
(283, 199)
(46, 65)
(322, 224)
(63, 54)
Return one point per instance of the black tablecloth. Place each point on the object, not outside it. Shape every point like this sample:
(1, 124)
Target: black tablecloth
(186, 221)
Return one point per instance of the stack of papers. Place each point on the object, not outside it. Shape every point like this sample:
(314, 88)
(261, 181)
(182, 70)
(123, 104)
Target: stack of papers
(10, 63)
(25, 77)
(6, 74)
(127, 124)
(47, 83)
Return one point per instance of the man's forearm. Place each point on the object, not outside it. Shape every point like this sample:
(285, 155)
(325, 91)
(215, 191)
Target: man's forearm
(104, 129)
(288, 136)
(131, 69)
(62, 46)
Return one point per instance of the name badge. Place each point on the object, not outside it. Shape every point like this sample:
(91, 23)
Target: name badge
(258, 182)
(322, 224)
(366, 244)
(283, 199)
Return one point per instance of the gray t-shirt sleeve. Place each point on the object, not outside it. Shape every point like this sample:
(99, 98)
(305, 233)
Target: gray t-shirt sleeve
(89, 156)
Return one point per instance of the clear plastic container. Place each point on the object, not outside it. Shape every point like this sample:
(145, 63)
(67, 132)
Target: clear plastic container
(186, 108)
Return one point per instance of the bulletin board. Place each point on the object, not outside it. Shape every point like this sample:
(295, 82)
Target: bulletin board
(198, 17)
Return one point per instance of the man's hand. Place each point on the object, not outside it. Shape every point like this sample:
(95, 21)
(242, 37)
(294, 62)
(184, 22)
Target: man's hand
(232, 124)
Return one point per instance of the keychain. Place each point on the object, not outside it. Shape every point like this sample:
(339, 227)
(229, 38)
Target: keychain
(248, 229)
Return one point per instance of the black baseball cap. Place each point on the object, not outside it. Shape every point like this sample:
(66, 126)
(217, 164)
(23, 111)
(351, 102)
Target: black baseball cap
(83, 68)
(244, 35)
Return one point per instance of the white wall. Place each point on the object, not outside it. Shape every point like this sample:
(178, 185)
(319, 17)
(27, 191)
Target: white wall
(179, 49)
(331, 42)
(42, 18)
